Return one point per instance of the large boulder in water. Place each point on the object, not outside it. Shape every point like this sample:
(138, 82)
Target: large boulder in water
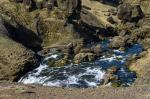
(15, 59)
(84, 57)
(118, 41)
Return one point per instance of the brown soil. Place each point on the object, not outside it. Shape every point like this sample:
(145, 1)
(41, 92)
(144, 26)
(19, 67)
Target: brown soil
(14, 91)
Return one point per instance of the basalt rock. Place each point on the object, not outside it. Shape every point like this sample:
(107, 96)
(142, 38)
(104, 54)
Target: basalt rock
(84, 57)
(15, 59)
(110, 75)
(97, 49)
(132, 13)
(118, 42)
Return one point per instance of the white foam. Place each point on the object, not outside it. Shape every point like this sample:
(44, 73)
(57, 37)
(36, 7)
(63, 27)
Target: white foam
(51, 56)
(72, 79)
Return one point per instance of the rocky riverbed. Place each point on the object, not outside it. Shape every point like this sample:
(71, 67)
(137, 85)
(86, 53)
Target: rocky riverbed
(75, 43)
(86, 74)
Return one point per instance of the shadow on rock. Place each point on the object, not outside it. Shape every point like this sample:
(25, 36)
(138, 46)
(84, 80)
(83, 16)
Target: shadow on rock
(24, 36)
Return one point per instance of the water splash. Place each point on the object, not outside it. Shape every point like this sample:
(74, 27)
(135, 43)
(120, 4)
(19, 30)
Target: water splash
(84, 74)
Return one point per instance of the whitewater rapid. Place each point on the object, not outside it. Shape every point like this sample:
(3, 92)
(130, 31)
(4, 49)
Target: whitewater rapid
(84, 74)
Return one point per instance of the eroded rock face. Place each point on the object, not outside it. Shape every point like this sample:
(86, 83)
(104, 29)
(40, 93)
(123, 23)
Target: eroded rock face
(15, 59)
(129, 12)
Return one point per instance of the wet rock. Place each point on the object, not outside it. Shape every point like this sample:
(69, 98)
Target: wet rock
(110, 75)
(57, 63)
(109, 78)
(97, 49)
(61, 62)
(78, 46)
(15, 59)
(129, 12)
(84, 57)
(118, 42)
(116, 84)
(112, 70)
(122, 49)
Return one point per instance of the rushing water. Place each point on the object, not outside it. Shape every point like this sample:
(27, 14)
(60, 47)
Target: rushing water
(84, 74)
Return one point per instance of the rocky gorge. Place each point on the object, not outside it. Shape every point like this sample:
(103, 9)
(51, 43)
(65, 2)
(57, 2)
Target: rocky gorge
(75, 43)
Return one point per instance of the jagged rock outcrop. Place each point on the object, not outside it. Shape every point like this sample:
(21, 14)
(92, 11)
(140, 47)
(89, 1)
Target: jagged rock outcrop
(118, 41)
(15, 59)
(132, 13)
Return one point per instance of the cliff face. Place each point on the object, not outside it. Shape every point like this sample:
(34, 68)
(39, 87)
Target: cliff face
(145, 4)
(15, 59)
(42, 23)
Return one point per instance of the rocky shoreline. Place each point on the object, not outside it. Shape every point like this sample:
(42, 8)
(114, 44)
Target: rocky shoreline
(30, 29)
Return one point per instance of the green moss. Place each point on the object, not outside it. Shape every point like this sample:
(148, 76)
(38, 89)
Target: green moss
(116, 84)
(61, 62)
(51, 62)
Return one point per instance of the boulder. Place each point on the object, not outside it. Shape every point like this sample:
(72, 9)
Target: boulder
(110, 75)
(84, 57)
(15, 59)
(127, 12)
(112, 70)
(78, 45)
(118, 41)
(97, 49)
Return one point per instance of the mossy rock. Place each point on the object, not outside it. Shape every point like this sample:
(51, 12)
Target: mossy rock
(116, 84)
(84, 57)
(50, 62)
(61, 62)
